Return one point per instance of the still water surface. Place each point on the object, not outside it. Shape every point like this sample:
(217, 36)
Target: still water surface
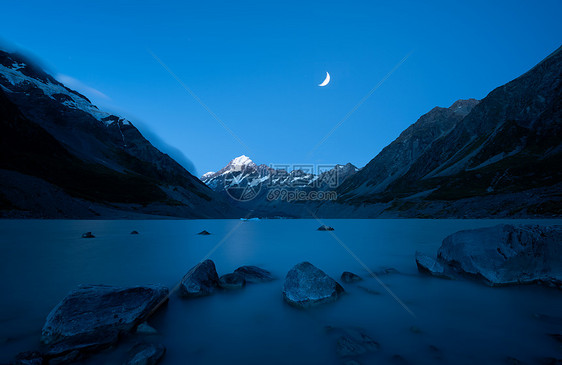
(458, 322)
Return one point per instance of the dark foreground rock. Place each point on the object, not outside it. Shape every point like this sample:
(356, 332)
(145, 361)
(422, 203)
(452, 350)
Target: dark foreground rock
(232, 281)
(146, 354)
(349, 277)
(203, 233)
(200, 281)
(29, 358)
(88, 235)
(93, 316)
(501, 255)
(254, 274)
(325, 228)
(307, 286)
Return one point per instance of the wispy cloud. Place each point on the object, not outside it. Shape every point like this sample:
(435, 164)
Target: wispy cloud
(78, 85)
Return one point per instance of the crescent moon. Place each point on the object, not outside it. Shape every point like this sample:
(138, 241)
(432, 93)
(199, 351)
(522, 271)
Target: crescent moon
(326, 81)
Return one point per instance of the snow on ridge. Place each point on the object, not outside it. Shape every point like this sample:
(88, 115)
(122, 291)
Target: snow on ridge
(16, 77)
(241, 161)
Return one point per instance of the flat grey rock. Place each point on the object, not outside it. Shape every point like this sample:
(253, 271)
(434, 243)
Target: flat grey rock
(93, 316)
(506, 254)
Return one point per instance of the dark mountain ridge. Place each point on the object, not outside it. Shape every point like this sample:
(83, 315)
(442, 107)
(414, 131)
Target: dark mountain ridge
(477, 163)
(99, 160)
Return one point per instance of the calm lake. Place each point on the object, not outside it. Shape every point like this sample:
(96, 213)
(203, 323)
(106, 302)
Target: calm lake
(458, 322)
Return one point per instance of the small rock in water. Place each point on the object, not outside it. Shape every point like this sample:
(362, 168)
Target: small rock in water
(88, 235)
(398, 359)
(203, 233)
(512, 361)
(134, 232)
(145, 329)
(306, 286)
(254, 274)
(232, 281)
(369, 290)
(429, 266)
(349, 277)
(415, 329)
(201, 280)
(146, 354)
(325, 228)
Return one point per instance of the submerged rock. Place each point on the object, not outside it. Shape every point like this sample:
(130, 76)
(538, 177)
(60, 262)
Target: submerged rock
(93, 316)
(29, 358)
(232, 281)
(146, 354)
(325, 228)
(254, 274)
(349, 277)
(200, 281)
(430, 266)
(203, 233)
(506, 254)
(306, 286)
(88, 235)
(145, 329)
(354, 342)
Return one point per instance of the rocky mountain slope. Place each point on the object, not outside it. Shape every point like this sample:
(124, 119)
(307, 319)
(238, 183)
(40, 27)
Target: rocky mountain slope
(497, 157)
(276, 190)
(60, 156)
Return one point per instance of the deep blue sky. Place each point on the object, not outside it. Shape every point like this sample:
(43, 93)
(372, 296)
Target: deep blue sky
(256, 65)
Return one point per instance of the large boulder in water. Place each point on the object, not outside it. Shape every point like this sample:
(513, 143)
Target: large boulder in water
(307, 286)
(93, 316)
(201, 280)
(506, 254)
(254, 274)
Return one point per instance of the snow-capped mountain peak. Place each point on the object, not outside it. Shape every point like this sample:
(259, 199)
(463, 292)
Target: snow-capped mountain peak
(241, 161)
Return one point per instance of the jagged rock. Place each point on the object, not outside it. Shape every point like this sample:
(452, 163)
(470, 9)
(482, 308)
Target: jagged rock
(88, 235)
(203, 233)
(506, 254)
(349, 277)
(93, 316)
(428, 265)
(254, 274)
(200, 281)
(146, 354)
(134, 232)
(307, 286)
(232, 281)
(325, 228)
